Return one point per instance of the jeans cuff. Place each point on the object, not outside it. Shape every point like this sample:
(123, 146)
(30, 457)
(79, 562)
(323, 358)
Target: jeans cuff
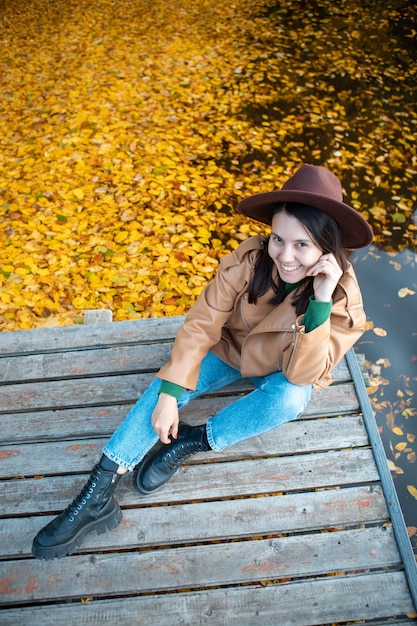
(210, 439)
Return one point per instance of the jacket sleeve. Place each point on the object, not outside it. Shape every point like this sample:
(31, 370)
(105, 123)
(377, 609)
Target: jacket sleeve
(204, 322)
(312, 355)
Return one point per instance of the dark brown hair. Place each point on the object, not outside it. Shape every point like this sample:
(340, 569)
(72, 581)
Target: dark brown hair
(324, 232)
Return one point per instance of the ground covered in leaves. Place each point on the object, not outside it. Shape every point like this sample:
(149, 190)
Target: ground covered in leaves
(129, 131)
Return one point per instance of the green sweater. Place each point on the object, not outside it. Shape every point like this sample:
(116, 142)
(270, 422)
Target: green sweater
(317, 313)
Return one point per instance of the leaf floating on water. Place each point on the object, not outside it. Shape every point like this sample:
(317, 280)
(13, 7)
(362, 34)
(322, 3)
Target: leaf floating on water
(394, 468)
(380, 332)
(412, 490)
(397, 266)
(405, 291)
(401, 446)
(385, 362)
(412, 531)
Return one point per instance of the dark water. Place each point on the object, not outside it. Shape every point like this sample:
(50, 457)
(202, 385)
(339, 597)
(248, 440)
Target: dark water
(393, 361)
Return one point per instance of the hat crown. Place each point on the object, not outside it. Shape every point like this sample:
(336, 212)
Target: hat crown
(315, 180)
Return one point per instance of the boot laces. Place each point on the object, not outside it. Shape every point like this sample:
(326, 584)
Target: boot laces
(182, 452)
(85, 494)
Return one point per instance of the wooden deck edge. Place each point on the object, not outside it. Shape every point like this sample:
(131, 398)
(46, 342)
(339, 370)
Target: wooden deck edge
(231, 606)
(393, 504)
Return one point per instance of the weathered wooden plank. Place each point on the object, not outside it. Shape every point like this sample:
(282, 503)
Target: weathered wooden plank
(78, 455)
(79, 422)
(108, 390)
(73, 423)
(291, 438)
(72, 393)
(308, 603)
(41, 340)
(210, 481)
(213, 520)
(45, 340)
(198, 566)
(92, 362)
(97, 316)
(83, 363)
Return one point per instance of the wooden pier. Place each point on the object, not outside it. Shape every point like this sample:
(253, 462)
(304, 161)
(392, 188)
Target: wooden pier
(299, 527)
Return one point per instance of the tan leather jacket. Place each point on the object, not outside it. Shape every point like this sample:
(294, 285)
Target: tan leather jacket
(261, 339)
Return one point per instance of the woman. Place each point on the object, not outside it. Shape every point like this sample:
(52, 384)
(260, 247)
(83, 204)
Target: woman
(282, 311)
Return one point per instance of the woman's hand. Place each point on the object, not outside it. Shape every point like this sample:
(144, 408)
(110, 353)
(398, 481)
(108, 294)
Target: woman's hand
(327, 273)
(165, 418)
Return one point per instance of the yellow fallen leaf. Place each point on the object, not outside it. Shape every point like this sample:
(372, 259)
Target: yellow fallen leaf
(412, 490)
(121, 236)
(78, 193)
(394, 468)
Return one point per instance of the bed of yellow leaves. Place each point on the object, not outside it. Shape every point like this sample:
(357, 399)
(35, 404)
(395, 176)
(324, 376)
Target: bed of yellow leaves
(129, 131)
(114, 117)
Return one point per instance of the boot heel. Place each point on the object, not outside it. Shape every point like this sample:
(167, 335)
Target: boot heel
(109, 522)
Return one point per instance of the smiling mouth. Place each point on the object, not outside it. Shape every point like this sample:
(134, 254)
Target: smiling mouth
(290, 268)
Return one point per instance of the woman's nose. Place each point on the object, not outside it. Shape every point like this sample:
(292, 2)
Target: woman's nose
(286, 254)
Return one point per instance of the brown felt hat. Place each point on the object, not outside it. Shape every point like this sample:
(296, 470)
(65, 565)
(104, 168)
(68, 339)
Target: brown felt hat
(319, 188)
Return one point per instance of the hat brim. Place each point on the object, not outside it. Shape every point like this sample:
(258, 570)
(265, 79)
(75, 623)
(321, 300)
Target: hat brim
(354, 229)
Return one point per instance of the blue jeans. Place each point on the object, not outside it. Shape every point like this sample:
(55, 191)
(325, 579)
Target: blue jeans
(274, 401)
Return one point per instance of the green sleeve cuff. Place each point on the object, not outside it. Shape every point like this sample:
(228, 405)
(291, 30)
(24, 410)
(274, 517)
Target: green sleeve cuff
(317, 313)
(172, 389)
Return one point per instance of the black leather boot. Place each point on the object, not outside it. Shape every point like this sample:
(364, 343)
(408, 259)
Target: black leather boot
(93, 509)
(159, 466)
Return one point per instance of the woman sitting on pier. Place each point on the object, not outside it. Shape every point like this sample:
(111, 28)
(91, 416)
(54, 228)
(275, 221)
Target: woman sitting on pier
(281, 310)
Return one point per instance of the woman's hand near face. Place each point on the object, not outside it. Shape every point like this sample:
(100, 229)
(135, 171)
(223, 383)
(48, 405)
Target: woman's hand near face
(327, 273)
(165, 418)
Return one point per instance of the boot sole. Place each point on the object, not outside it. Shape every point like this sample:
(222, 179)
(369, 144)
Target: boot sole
(100, 526)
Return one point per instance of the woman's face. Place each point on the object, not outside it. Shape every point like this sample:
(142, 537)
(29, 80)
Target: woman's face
(292, 248)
